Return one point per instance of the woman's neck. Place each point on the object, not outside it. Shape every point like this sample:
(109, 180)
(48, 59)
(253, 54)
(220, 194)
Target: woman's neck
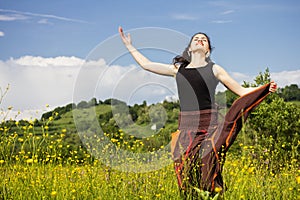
(198, 59)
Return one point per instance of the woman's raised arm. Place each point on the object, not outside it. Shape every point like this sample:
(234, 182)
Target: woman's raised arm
(145, 63)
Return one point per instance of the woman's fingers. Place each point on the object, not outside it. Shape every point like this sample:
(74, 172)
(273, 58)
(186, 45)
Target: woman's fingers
(126, 40)
(273, 87)
(120, 29)
(121, 32)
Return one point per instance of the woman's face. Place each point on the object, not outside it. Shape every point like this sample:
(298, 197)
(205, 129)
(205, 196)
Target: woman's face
(199, 43)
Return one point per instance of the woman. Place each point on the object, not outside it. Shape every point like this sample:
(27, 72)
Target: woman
(201, 142)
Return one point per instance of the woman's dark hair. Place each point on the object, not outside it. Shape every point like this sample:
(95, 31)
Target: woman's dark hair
(185, 57)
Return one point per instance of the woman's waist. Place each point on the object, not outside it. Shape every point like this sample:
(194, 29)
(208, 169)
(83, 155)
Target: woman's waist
(198, 119)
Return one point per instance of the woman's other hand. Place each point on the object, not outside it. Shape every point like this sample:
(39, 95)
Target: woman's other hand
(273, 87)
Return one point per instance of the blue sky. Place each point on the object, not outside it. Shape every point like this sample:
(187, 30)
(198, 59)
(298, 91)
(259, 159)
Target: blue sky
(247, 37)
(259, 33)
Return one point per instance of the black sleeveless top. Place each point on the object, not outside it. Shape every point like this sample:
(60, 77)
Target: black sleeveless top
(196, 87)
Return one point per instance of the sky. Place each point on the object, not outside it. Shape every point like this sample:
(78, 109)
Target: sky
(62, 51)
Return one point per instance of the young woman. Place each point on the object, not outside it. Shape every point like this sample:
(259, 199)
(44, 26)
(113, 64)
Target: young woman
(201, 142)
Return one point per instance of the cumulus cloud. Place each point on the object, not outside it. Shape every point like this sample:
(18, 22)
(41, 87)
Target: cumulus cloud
(285, 78)
(1, 34)
(60, 61)
(37, 81)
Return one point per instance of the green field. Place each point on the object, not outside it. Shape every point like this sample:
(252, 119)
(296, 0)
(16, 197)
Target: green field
(244, 179)
(45, 159)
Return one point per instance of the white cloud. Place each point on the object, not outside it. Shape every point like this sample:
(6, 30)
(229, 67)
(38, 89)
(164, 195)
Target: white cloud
(46, 62)
(12, 17)
(1, 34)
(183, 17)
(221, 21)
(227, 12)
(285, 78)
(44, 21)
(27, 14)
(37, 81)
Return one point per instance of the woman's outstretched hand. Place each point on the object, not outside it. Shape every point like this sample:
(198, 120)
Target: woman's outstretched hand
(126, 39)
(273, 87)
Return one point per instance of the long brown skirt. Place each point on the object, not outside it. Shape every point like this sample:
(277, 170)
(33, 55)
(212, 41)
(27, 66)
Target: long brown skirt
(201, 142)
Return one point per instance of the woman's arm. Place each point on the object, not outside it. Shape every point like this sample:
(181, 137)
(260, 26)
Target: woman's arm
(145, 63)
(234, 86)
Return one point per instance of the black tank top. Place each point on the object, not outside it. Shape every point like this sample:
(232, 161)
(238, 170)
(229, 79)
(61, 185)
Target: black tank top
(196, 87)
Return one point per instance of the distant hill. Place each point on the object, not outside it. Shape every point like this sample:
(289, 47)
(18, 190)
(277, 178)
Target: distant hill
(150, 124)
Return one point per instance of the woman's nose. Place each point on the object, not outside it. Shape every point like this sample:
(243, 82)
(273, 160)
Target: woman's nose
(200, 42)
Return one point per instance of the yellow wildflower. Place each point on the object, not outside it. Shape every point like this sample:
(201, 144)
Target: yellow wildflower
(53, 193)
(29, 161)
(218, 189)
(251, 169)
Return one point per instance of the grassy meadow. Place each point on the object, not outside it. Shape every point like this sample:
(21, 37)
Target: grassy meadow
(42, 160)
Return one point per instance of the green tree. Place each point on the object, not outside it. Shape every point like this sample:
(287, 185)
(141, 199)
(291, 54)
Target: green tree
(290, 93)
(274, 118)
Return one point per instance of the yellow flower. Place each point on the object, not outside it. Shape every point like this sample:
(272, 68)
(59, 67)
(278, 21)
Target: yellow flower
(251, 169)
(218, 189)
(298, 179)
(53, 193)
(2, 161)
(29, 161)
(113, 140)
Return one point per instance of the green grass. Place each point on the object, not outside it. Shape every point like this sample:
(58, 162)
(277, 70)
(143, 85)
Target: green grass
(44, 166)
(51, 181)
